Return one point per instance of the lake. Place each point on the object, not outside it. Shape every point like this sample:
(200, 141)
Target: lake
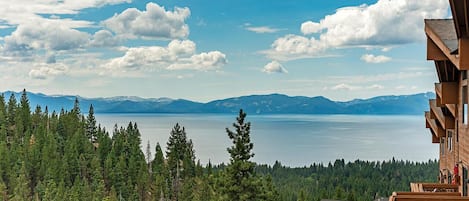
(294, 140)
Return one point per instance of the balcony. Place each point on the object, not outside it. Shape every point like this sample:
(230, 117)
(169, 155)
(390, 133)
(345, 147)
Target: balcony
(429, 191)
(436, 130)
(446, 121)
(447, 92)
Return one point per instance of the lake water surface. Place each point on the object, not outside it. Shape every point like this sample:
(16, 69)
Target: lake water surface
(295, 140)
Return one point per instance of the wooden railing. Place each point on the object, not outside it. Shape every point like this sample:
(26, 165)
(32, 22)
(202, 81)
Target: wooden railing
(429, 191)
(433, 187)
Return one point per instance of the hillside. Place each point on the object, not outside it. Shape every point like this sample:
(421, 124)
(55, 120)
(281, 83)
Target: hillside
(253, 104)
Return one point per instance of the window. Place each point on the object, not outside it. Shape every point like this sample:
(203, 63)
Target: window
(464, 75)
(449, 140)
(464, 101)
(442, 146)
(450, 178)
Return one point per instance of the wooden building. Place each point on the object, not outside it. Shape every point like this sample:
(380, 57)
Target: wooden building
(448, 118)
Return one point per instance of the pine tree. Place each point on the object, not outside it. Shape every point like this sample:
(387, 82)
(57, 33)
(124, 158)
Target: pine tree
(180, 157)
(148, 155)
(3, 118)
(25, 111)
(239, 175)
(91, 129)
(11, 117)
(3, 191)
(76, 108)
(22, 191)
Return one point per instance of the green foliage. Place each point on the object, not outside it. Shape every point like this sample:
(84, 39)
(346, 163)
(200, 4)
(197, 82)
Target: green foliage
(91, 128)
(65, 156)
(357, 180)
(240, 182)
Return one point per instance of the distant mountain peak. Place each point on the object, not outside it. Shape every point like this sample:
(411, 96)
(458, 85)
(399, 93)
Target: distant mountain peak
(274, 103)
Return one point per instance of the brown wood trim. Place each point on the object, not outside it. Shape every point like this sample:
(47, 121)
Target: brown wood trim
(447, 122)
(456, 20)
(465, 17)
(452, 109)
(427, 197)
(433, 52)
(439, 43)
(431, 123)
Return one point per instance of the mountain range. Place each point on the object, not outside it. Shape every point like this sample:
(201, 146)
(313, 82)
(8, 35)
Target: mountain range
(253, 104)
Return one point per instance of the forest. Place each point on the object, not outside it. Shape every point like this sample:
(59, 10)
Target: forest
(66, 155)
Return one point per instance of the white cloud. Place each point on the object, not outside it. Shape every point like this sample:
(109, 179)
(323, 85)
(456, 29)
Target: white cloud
(205, 61)
(104, 38)
(293, 47)
(261, 29)
(376, 86)
(346, 87)
(154, 23)
(385, 23)
(310, 27)
(14, 12)
(370, 58)
(274, 67)
(176, 56)
(46, 71)
(350, 87)
(43, 36)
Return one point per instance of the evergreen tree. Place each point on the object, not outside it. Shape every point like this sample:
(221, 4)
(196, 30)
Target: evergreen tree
(25, 111)
(3, 191)
(240, 181)
(11, 117)
(180, 158)
(3, 118)
(91, 129)
(21, 191)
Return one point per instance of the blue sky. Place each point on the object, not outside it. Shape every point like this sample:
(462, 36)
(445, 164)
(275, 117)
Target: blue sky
(204, 50)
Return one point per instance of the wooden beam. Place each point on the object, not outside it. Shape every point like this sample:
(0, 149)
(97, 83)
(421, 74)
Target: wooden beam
(448, 92)
(452, 109)
(427, 193)
(464, 53)
(447, 122)
(465, 17)
(435, 129)
(445, 66)
(439, 43)
(427, 197)
(456, 22)
(433, 52)
(438, 70)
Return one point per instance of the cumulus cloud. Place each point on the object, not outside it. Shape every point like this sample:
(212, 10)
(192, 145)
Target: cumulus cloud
(154, 22)
(310, 27)
(370, 58)
(179, 54)
(293, 47)
(382, 24)
(274, 67)
(104, 38)
(261, 29)
(46, 71)
(13, 12)
(45, 36)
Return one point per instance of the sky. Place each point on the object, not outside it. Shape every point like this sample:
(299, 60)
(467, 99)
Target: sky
(205, 50)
